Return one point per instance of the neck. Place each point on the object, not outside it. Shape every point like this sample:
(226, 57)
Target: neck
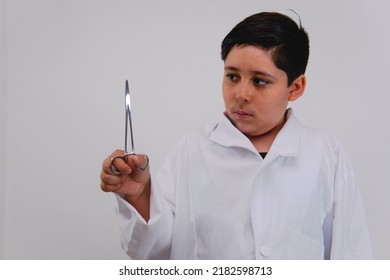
(264, 141)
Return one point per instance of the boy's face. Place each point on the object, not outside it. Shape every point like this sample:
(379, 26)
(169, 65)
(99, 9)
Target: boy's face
(255, 91)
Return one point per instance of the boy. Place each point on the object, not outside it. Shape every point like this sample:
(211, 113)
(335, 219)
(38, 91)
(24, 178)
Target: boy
(256, 185)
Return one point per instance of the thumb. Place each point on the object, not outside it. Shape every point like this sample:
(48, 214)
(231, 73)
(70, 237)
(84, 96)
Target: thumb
(140, 162)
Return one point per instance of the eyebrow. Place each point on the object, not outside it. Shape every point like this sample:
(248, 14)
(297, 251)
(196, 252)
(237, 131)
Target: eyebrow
(261, 73)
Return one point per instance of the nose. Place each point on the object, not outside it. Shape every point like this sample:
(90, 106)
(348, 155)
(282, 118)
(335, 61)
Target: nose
(243, 93)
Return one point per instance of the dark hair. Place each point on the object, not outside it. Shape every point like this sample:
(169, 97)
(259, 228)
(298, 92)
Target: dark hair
(288, 42)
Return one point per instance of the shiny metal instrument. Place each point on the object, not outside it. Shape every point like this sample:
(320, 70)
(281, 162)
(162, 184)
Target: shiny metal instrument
(129, 138)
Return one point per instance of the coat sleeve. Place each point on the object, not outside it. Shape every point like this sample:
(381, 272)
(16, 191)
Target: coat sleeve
(145, 240)
(350, 237)
(153, 239)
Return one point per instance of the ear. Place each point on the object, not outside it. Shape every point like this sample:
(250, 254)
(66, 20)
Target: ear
(297, 88)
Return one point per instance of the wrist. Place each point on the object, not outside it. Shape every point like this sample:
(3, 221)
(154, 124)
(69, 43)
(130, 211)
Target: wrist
(141, 202)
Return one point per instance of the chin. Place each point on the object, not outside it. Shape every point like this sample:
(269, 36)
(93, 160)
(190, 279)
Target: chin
(245, 130)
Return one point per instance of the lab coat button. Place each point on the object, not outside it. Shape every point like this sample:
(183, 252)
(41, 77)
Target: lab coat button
(265, 251)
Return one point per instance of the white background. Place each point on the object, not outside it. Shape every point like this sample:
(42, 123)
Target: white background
(62, 70)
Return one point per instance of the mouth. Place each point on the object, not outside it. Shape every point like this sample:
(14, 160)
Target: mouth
(240, 114)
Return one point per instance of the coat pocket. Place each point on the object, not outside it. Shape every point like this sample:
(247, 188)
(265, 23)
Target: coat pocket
(302, 247)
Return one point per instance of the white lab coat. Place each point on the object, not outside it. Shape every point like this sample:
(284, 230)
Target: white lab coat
(215, 197)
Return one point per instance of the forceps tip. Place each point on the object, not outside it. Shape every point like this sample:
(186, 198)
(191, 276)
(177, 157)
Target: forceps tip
(127, 86)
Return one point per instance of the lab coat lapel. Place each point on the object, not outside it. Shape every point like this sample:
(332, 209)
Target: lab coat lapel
(285, 144)
(226, 134)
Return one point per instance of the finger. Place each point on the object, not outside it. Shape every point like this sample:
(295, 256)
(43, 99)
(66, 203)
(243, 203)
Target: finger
(139, 162)
(110, 183)
(116, 153)
(118, 163)
(109, 188)
(107, 160)
(109, 179)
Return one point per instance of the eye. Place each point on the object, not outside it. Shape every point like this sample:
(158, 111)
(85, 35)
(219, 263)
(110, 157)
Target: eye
(260, 82)
(232, 77)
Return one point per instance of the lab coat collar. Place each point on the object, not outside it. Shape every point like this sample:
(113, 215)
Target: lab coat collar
(285, 144)
(287, 141)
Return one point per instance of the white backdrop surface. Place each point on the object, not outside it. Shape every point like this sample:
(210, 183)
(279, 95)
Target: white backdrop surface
(62, 73)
